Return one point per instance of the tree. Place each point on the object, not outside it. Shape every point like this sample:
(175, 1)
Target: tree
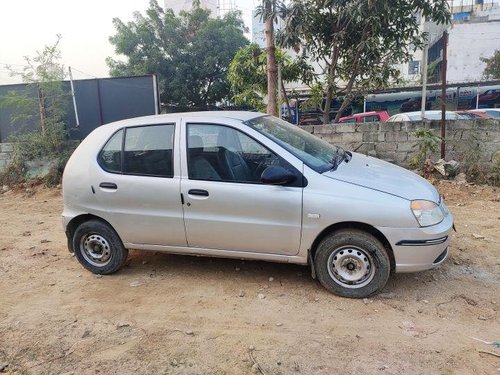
(190, 52)
(357, 43)
(44, 99)
(42, 102)
(492, 70)
(270, 11)
(249, 79)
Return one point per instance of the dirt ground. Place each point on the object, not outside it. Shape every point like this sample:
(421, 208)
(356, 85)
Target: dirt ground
(167, 314)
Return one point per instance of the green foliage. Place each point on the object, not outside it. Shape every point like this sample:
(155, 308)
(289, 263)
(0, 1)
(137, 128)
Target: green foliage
(315, 98)
(190, 53)
(492, 70)
(428, 143)
(475, 169)
(43, 102)
(495, 173)
(357, 43)
(248, 74)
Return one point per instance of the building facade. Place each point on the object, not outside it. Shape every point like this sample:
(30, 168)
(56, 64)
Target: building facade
(473, 34)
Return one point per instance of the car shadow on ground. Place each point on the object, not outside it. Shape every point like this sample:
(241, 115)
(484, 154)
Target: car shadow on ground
(248, 273)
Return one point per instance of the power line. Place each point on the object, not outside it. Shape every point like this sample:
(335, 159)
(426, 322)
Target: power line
(87, 74)
(5, 63)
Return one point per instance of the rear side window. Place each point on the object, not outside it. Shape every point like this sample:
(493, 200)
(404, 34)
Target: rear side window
(146, 151)
(110, 158)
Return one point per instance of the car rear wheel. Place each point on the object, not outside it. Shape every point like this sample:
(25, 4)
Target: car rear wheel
(352, 263)
(98, 248)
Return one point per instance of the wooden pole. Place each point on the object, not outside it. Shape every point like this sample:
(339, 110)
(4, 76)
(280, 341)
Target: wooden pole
(443, 93)
(423, 73)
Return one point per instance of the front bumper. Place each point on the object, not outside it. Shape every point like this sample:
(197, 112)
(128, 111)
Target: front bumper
(420, 249)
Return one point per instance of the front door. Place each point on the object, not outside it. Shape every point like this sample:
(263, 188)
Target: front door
(226, 207)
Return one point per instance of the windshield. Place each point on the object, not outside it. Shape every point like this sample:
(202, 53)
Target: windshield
(313, 151)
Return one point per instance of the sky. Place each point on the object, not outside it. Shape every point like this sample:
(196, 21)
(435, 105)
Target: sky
(85, 25)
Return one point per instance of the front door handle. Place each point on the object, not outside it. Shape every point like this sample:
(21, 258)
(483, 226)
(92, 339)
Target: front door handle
(108, 185)
(200, 192)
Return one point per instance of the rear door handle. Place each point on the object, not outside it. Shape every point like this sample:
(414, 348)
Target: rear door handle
(200, 192)
(108, 185)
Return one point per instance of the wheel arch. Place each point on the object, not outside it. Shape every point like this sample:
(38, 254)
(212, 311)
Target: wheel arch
(75, 223)
(352, 225)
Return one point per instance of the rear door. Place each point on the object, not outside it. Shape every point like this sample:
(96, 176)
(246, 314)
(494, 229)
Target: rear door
(137, 185)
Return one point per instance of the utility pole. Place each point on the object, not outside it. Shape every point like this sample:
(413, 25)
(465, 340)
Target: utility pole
(424, 74)
(443, 92)
(477, 97)
(73, 95)
(280, 93)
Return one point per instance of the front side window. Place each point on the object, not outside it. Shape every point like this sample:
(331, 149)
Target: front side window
(316, 153)
(221, 153)
(146, 151)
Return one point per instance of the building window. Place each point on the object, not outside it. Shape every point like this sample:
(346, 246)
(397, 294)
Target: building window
(414, 67)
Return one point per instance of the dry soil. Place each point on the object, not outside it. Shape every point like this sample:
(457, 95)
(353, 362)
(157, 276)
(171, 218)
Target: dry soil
(167, 314)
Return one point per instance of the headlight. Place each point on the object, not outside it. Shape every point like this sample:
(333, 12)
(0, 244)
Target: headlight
(427, 213)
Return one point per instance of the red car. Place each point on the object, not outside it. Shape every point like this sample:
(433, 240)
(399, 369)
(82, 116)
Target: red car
(374, 116)
(472, 114)
(490, 97)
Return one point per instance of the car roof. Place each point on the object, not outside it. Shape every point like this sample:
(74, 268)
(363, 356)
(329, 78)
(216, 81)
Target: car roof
(207, 115)
(433, 112)
(486, 109)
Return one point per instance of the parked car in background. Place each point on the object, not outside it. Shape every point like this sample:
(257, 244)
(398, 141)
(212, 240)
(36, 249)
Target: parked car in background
(246, 185)
(414, 104)
(491, 112)
(471, 114)
(314, 117)
(489, 97)
(374, 116)
(429, 115)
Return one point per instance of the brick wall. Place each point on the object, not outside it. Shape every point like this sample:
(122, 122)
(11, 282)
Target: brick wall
(5, 154)
(396, 141)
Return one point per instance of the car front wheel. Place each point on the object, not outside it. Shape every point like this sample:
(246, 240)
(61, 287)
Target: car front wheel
(352, 263)
(98, 248)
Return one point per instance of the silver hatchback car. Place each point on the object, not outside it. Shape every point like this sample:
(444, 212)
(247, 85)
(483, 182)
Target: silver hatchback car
(249, 186)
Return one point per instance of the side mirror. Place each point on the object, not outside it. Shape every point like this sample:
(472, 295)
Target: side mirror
(275, 175)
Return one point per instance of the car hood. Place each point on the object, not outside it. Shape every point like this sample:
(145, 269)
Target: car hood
(380, 175)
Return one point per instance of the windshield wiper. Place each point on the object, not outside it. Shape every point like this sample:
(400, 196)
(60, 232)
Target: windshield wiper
(340, 156)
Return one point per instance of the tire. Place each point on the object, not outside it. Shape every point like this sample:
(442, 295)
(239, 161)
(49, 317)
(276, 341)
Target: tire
(352, 263)
(98, 248)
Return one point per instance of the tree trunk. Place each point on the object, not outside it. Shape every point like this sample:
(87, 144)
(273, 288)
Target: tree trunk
(332, 68)
(272, 69)
(41, 108)
(348, 90)
(328, 105)
(345, 103)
